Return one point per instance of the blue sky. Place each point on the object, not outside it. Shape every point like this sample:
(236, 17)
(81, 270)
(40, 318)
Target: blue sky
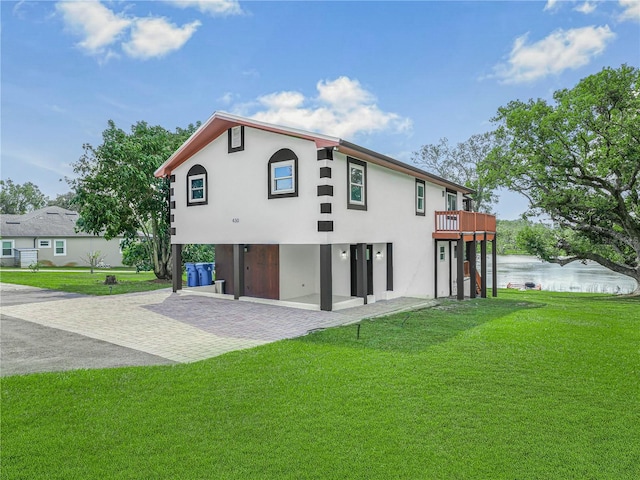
(390, 76)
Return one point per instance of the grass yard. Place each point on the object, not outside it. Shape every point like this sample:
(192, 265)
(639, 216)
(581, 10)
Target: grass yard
(532, 385)
(83, 281)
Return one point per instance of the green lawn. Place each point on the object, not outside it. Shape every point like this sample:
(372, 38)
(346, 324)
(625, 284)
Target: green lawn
(532, 385)
(83, 281)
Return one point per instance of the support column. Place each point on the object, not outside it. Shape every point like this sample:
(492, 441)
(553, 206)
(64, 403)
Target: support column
(450, 268)
(472, 267)
(238, 270)
(176, 266)
(460, 279)
(390, 267)
(435, 269)
(361, 271)
(483, 267)
(326, 278)
(494, 267)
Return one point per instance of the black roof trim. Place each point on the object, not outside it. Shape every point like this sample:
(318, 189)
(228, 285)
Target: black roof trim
(393, 161)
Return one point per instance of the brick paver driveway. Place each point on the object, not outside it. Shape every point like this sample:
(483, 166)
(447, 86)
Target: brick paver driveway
(181, 328)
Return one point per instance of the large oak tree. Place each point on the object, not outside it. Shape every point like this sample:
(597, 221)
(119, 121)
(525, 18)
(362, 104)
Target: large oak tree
(577, 160)
(117, 193)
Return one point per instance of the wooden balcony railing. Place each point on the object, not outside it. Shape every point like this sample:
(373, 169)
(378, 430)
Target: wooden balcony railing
(461, 221)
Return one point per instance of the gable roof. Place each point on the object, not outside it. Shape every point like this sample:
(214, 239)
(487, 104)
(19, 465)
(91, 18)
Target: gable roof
(220, 122)
(46, 222)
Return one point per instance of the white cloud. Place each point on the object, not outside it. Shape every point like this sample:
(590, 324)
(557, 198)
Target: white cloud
(551, 5)
(99, 26)
(221, 8)
(342, 108)
(586, 7)
(631, 10)
(155, 37)
(559, 51)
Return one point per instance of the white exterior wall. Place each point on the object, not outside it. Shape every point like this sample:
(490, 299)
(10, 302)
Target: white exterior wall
(238, 189)
(299, 270)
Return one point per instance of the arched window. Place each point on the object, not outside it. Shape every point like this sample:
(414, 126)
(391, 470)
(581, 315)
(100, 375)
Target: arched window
(283, 174)
(197, 186)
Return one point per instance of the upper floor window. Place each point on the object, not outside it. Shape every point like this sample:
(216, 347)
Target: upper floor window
(60, 247)
(7, 248)
(235, 139)
(420, 197)
(283, 174)
(452, 200)
(197, 186)
(356, 184)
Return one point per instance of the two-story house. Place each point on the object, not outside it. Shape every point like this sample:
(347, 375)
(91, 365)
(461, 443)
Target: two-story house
(306, 218)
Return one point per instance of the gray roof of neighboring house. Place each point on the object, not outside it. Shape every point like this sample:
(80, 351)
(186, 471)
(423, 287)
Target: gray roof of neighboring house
(46, 222)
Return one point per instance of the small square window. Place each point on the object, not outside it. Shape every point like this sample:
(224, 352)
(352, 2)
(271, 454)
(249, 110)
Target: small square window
(443, 255)
(60, 248)
(7, 248)
(420, 209)
(44, 243)
(357, 184)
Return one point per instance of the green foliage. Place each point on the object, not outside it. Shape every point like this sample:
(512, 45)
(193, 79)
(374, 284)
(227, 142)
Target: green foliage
(481, 389)
(35, 267)
(198, 253)
(134, 254)
(459, 164)
(117, 193)
(576, 160)
(19, 199)
(64, 200)
(508, 231)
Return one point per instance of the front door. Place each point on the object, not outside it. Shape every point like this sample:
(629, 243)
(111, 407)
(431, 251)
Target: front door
(353, 251)
(262, 271)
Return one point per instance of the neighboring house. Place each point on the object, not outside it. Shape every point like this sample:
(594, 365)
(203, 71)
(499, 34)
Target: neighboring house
(308, 218)
(51, 231)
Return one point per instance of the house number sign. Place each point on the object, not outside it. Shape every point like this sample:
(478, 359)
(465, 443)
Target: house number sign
(235, 220)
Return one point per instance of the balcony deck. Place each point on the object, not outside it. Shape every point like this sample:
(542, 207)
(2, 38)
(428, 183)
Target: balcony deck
(452, 224)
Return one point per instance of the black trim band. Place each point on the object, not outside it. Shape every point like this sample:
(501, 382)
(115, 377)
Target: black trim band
(325, 190)
(325, 208)
(325, 154)
(325, 226)
(325, 172)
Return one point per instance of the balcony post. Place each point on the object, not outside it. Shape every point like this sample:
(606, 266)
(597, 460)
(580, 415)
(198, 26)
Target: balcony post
(472, 267)
(494, 266)
(483, 266)
(460, 273)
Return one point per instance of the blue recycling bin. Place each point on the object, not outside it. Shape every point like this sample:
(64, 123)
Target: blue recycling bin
(205, 273)
(192, 275)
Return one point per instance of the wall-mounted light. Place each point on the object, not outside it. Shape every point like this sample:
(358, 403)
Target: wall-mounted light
(378, 255)
(343, 254)
(246, 248)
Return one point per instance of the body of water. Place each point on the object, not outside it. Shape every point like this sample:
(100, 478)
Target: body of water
(574, 277)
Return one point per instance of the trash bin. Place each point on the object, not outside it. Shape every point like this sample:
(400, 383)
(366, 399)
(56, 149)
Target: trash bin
(205, 273)
(192, 275)
(219, 286)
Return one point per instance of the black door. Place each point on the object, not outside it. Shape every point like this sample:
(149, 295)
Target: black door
(353, 252)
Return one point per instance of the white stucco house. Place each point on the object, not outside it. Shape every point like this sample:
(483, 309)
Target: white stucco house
(49, 236)
(305, 218)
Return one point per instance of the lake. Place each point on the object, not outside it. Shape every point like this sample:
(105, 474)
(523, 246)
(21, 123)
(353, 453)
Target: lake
(574, 277)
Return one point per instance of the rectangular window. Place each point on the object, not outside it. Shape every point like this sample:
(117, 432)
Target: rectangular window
(452, 201)
(235, 137)
(197, 190)
(357, 184)
(60, 248)
(7, 248)
(419, 197)
(44, 243)
(283, 177)
(442, 253)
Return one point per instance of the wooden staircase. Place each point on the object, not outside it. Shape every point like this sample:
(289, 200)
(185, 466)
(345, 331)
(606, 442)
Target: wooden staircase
(467, 273)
